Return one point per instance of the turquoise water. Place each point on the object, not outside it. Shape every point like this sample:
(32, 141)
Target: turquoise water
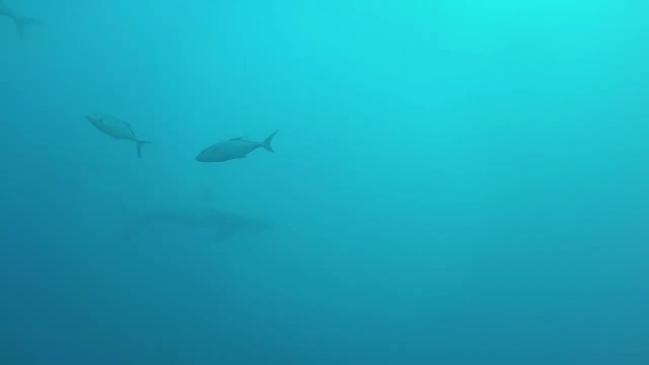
(455, 182)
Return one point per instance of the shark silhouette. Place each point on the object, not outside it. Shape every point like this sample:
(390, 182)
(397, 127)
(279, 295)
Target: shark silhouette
(224, 225)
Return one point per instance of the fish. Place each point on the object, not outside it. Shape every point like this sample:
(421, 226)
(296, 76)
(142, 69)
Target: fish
(235, 148)
(117, 129)
(20, 21)
(220, 225)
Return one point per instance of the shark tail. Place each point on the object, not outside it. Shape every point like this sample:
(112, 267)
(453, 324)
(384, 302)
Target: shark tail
(267, 144)
(139, 145)
(23, 22)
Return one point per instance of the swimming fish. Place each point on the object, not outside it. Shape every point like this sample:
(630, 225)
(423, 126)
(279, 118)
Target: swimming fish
(117, 129)
(20, 21)
(220, 225)
(234, 148)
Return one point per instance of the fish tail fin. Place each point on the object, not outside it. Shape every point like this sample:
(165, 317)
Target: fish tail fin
(22, 22)
(139, 145)
(267, 144)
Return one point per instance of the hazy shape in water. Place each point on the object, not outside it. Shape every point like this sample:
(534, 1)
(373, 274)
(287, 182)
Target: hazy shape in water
(225, 225)
(234, 148)
(117, 129)
(20, 21)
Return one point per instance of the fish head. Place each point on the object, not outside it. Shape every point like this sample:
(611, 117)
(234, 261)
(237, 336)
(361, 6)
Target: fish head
(95, 119)
(203, 156)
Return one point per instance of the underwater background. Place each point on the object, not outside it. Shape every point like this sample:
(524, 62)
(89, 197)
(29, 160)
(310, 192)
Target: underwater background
(455, 182)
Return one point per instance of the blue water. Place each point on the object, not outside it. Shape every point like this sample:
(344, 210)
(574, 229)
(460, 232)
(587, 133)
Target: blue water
(455, 182)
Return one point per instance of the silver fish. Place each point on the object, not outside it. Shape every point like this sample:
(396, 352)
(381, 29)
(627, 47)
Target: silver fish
(117, 129)
(234, 148)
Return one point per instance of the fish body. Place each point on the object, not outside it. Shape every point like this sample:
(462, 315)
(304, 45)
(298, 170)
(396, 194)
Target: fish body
(235, 148)
(6, 11)
(116, 128)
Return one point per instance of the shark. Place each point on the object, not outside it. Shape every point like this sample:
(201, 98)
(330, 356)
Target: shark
(19, 20)
(221, 225)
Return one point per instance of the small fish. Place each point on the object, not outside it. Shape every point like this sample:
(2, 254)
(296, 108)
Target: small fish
(20, 21)
(234, 148)
(117, 129)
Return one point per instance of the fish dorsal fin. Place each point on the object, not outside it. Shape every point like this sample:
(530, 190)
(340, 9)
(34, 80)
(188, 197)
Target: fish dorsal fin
(236, 139)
